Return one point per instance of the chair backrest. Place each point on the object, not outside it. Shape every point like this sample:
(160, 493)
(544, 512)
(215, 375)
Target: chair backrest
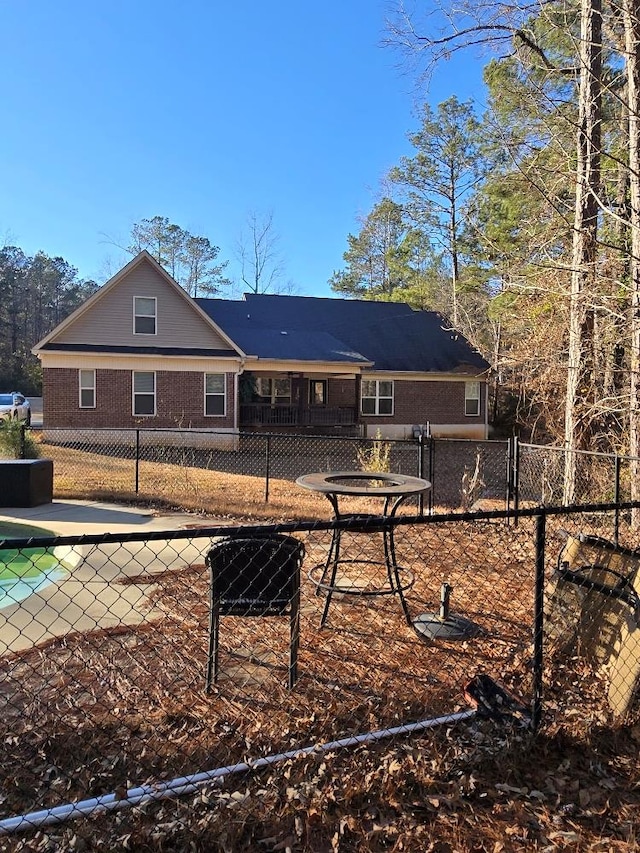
(595, 609)
(255, 576)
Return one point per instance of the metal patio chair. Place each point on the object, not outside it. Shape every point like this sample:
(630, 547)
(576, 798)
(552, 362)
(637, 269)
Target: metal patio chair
(593, 609)
(254, 576)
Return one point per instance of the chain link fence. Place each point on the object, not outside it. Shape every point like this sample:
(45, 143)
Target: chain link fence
(541, 475)
(144, 688)
(183, 464)
(464, 473)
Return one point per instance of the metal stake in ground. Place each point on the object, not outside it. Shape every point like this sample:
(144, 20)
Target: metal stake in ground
(444, 625)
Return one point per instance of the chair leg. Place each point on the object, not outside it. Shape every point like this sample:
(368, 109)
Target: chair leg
(212, 657)
(393, 572)
(332, 579)
(329, 561)
(216, 647)
(295, 640)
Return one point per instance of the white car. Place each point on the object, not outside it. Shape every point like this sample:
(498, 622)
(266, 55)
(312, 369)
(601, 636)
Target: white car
(15, 406)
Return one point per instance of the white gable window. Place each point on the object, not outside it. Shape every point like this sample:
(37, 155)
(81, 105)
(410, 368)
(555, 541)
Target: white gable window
(376, 397)
(215, 397)
(87, 389)
(471, 398)
(144, 315)
(144, 392)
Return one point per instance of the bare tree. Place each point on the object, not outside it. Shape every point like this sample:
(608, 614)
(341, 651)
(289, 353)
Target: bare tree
(544, 38)
(585, 232)
(631, 19)
(262, 267)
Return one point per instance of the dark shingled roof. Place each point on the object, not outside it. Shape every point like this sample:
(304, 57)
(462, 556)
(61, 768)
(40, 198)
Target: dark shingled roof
(390, 334)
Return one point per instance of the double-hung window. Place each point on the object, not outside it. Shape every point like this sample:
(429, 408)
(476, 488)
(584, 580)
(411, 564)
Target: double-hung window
(376, 397)
(144, 315)
(215, 402)
(87, 389)
(275, 390)
(471, 398)
(144, 392)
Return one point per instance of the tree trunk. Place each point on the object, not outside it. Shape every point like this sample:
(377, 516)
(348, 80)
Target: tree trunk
(631, 12)
(453, 237)
(580, 356)
(497, 343)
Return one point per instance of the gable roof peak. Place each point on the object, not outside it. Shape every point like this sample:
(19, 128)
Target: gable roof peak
(143, 256)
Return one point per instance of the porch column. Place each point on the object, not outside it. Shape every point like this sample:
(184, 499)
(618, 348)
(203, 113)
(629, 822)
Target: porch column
(300, 383)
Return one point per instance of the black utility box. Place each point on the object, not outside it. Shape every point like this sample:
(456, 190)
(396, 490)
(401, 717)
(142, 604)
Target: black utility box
(26, 482)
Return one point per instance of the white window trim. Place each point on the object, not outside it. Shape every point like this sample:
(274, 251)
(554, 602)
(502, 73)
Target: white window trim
(134, 394)
(377, 398)
(274, 396)
(475, 397)
(210, 394)
(82, 388)
(325, 392)
(155, 316)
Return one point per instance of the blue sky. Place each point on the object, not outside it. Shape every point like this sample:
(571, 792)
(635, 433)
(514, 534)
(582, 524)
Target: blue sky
(202, 111)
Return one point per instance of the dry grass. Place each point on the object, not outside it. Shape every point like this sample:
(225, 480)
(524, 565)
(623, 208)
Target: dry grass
(95, 712)
(81, 475)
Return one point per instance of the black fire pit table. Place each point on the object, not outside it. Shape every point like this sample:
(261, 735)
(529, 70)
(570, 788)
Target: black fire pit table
(394, 489)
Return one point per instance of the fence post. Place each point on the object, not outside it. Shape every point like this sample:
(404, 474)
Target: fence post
(267, 468)
(538, 621)
(23, 441)
(508, 471)
(432, 457)
(421, 471)
(616, 499)
(516, 479)
(137, 460)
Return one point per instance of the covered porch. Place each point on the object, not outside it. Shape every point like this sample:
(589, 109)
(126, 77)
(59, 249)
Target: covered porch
(296, 400)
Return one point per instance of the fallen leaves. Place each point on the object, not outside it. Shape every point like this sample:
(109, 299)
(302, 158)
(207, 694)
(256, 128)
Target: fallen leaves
(104, 710)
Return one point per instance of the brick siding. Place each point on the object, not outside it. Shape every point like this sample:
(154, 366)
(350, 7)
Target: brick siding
(179, 401)
(341, 392)
(436, 402)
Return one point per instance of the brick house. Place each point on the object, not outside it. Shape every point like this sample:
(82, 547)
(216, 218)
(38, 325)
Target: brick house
(142, 353)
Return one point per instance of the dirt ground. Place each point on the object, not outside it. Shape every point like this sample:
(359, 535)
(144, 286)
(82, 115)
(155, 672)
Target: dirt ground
(104, 711)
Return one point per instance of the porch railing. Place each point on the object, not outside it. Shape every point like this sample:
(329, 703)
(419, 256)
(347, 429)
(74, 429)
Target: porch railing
(265, 414)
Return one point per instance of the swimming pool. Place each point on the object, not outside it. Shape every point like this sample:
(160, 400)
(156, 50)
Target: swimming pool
(26, 570)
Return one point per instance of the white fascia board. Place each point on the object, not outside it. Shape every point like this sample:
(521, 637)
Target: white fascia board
(132, 361)
(283, 366)
(425, 377)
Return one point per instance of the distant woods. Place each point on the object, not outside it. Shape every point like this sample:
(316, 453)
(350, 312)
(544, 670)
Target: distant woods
(193, 261)
(521, 222)
(36, 293)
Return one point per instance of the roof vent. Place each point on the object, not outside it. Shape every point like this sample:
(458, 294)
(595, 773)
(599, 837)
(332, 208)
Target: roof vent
(284, 333)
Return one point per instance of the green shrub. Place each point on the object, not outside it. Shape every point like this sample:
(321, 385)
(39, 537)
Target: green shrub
(16, 441)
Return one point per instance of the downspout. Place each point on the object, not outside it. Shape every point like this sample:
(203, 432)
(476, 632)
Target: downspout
(236, 396)
(357, 402)
(486, 407)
